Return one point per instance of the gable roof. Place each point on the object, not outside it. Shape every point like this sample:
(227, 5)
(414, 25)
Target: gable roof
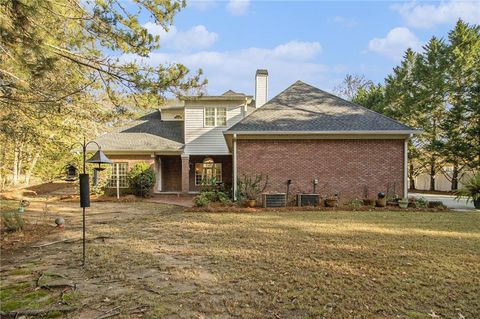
(302, 108)
(147, 133)
(232, 93)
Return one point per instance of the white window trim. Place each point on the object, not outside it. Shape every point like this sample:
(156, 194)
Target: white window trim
(215, 117)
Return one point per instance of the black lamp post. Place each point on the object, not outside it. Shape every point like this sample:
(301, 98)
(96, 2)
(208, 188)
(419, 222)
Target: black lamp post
(100, 158)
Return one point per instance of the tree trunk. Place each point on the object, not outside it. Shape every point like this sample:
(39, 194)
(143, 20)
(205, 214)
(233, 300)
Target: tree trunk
(20, 162)
(412, 178)
(433, 172)
(28, 174)
(455, 177)
(15, 166)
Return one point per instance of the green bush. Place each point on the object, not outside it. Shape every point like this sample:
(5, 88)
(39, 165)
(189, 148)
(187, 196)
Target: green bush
(251, 187)
(470, 189)
(13, 221)
(141, 179)
(212, 196)
(355, 203)
(421, 202)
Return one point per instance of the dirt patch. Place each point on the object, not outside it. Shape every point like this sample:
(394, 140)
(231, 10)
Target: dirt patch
(32, 233)
(59, 187)
(147, 260)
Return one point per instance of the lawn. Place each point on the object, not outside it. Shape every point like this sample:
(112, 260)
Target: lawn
(158, 261)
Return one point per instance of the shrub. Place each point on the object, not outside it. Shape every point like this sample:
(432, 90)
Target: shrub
(470, 189)
(250, 188)
(210, 196)
(202, 200)
(421, 202)
(141, 179)
(13, 221)
(355, 203)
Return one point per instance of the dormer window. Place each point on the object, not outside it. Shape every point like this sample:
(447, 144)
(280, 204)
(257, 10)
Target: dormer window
(178, 117)
(215, 116)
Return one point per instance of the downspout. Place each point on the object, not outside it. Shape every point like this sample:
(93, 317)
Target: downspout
(235, 167)
(405, 168)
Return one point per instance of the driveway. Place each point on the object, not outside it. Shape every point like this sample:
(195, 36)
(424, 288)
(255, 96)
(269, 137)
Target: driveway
(448, 200)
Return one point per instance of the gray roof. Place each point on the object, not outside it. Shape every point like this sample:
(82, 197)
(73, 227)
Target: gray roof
(304, 108)
(232, 93)
(147, 133)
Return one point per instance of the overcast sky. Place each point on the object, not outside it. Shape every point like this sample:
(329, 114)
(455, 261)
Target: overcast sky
(314, 41)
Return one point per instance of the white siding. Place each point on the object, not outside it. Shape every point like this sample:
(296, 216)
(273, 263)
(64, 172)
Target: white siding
(201, 140)
(169, 115)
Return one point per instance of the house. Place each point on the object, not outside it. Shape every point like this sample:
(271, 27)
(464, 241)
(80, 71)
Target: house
(305, 135)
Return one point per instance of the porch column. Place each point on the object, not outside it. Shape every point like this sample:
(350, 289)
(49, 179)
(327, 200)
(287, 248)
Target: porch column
(185, 173)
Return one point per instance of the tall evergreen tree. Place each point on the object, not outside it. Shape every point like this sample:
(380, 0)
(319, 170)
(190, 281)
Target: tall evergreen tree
(431, 97)
(460, 128)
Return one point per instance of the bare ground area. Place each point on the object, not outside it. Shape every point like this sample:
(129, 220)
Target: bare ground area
(148, 260)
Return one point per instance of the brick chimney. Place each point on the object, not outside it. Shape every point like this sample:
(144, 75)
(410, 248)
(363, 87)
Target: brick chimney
(261, 87)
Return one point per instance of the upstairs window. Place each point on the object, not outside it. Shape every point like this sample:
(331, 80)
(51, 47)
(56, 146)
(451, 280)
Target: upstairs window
(215, 116)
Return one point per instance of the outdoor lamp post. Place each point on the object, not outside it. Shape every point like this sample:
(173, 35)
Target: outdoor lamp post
(100, 158)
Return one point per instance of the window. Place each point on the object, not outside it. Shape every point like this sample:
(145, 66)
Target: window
(122, 175)
(177, 117)
(207, 171)
(215, 116)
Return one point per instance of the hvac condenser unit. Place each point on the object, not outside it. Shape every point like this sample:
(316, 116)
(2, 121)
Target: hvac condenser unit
(308, 199)
(275, 200)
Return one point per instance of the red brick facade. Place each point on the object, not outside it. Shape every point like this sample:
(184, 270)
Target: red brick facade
(343, 167)
(171, 173)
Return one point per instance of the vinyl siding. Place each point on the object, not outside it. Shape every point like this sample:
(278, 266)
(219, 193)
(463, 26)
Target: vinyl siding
(169, 115)
(201, 140)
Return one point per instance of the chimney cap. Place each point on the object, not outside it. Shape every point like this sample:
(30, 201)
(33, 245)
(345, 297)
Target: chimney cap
(262, 72)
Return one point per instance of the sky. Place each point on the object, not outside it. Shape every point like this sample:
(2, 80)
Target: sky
(318, 42)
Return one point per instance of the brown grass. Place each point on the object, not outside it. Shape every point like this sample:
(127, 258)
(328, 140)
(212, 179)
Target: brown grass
(270, 264)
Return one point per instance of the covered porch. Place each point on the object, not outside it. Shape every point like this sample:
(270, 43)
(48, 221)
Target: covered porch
(185, 174)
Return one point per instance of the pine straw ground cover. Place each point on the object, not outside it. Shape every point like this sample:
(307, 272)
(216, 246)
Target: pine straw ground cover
(156, 261)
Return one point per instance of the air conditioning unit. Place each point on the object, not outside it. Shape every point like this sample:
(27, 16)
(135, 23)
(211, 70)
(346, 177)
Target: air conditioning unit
(275, 200)
(308, 200)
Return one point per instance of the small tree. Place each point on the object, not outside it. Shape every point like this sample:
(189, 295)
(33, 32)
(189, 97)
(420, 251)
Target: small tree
(251, 187)
(141, 178)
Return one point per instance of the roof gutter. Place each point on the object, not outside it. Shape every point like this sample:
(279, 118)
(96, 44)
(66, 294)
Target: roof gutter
(388, 132)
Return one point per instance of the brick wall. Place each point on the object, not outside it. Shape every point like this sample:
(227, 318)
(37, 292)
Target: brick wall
(344, 167)
(171, 173)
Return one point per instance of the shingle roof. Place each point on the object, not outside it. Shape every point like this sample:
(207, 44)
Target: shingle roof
(232, 93)
(304, 108)
(148, 132)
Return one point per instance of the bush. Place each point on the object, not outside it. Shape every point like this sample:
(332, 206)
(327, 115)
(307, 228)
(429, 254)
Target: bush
(211, 194)
(421, 202)
(470, 189)
(355, 203)
(251, 187)
(141, 179)
(13, 221)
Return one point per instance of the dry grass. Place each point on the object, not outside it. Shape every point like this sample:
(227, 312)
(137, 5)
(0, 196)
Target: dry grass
(273, 264)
